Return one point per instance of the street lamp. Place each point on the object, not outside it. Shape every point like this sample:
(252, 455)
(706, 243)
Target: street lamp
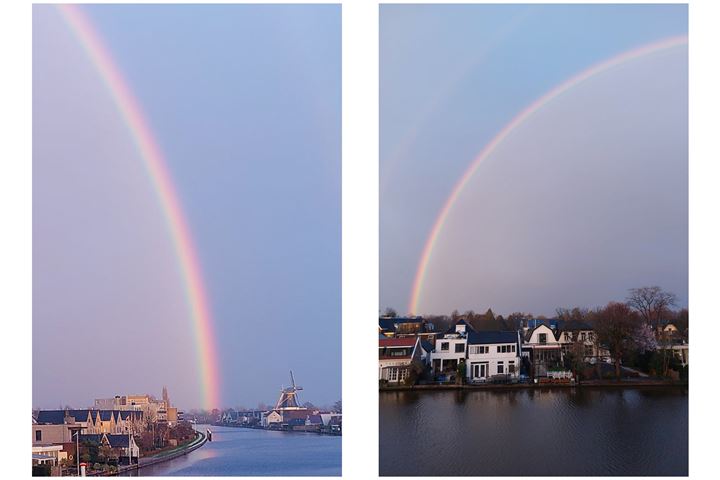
(77, 450)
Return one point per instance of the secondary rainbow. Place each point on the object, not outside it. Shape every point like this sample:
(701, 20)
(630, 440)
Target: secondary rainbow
(439, 223)
(161, 180)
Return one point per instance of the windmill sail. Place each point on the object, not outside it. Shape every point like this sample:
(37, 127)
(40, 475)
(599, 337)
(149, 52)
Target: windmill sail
(289, 396)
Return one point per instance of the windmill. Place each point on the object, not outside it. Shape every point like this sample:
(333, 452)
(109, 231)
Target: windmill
(289, 396)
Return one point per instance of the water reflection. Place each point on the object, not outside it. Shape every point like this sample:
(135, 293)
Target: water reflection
(569, 431)
(243, 452)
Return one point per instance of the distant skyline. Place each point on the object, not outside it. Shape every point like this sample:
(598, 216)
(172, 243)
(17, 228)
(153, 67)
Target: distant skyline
(244, 101)
(583, 200)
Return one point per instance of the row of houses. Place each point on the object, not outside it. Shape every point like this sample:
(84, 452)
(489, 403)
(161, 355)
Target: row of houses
(286, 418)
(539, 349)
(56, 433)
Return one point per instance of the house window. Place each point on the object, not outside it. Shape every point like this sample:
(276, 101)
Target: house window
(445, 346)
(38, 435)
(487, 350)
(513, 348)
(459, 347)
(404, 374)
(511, 367)
(500, 367)
(567, 337)
(498, 349)
(542, 337)
(393, 375)
(583, 335)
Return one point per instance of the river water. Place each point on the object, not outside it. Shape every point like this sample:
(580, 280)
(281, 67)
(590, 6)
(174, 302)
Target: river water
(242, 452)
(568, 431)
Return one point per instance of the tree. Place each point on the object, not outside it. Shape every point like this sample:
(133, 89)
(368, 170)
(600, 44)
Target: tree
(651, 303)
(617, 329)
(390, 312)
(337, 406)
(461, 371)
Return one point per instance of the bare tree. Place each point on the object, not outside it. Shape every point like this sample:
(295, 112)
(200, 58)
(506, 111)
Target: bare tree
(616, 328)
(652, 303)
(390, 312)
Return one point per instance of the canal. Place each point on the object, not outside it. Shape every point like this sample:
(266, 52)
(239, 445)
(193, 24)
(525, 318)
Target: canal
(243, 452)
(566, 431)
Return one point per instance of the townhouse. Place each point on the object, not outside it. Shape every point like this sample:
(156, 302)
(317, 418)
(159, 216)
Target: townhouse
(398, 358)
(493, 355)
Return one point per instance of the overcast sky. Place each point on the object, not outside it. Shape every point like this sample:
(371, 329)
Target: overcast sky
(585, 200)
(245, 103)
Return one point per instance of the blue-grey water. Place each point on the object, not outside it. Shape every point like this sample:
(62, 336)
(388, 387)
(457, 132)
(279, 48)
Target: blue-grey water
(243, 452)
(568, 431)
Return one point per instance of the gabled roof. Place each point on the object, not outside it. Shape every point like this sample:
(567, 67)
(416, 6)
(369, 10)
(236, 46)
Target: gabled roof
(118, 440)
(452, 329)
(555, 333)
(492, 336)
(427, 346)
(315, 419)
(105, 415)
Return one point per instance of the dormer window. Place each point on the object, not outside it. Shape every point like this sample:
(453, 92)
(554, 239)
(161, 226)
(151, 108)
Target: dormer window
(542, 338)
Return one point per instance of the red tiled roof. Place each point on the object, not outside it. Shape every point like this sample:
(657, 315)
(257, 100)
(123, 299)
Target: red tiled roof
(398, 342)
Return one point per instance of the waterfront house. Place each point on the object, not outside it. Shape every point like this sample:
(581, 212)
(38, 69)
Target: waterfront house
(545, 349)
(578, 335)
(124, 445)
(398, 357)
(450, 349)
(493, 355)
(426, 349)
(390, 326)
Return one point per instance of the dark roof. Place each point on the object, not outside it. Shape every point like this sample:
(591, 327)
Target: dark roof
(492, 336)
(536, 322)
(573, 325)
(387, 324)
(555, 333)
(390, 323)
(57, 417)
(118, 441)
(105, 415)
(452, 329)
(95, 438)
(54, 417)
(427, 346)
(315, 419)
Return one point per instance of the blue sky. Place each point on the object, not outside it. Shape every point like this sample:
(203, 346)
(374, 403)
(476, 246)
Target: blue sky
(245, 103)
(451, 77)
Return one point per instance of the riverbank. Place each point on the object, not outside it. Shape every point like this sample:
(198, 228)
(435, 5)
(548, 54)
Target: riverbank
(164, 456)
(625, 383)
(309, 432)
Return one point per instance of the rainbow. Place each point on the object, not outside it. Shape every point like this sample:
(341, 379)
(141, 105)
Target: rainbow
(161, 180)
(521, 117)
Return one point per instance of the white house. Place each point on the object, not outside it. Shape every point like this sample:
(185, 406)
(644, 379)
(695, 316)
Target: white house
(545, 349)
(450, 349)
(574, 333)
(492, 353)
(398, 357)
